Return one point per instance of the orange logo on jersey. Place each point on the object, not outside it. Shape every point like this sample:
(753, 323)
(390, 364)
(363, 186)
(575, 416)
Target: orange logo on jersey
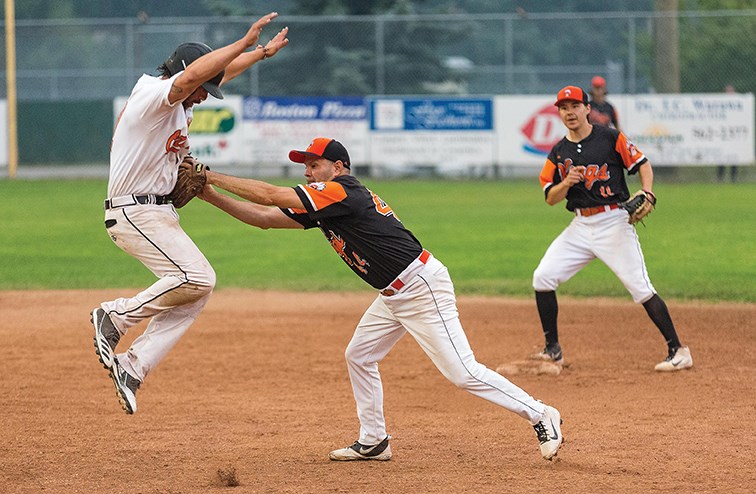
(361, 263)
(591, 175)
(380, 205)
(339, 245)
(594, 173)
(564, 168)
(176, 142)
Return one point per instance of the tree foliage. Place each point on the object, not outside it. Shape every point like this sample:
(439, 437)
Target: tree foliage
(340, 57)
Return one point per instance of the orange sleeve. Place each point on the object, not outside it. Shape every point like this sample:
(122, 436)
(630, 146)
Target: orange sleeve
(323, 194)
(631, 155)
(547, 175)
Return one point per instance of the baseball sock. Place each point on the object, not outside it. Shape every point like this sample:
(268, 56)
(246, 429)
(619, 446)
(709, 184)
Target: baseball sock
(658, 312)
(548, 309)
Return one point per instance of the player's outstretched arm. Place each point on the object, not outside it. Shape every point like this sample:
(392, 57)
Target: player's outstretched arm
(257, 191)
(249, 58)
(252, 214)
(208, 66)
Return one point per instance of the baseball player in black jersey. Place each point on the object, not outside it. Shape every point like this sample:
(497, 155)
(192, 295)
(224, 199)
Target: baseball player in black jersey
(415, 293)
(587, 168)
(602, 112)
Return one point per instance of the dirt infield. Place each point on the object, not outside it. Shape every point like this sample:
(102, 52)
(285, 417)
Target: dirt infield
(257, 393)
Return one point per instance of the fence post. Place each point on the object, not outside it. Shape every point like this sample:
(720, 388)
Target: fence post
(380, 56)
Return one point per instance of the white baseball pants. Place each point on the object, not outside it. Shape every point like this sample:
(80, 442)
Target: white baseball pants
(152, 234)
(426, 308)
(606, 236)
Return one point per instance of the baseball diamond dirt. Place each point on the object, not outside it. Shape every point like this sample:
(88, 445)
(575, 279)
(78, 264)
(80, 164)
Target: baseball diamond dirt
(257, 394)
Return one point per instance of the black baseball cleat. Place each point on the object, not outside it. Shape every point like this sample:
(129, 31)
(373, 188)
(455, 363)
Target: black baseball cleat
(549, 432)
(550, 353)
(358, 451)
(106, 337)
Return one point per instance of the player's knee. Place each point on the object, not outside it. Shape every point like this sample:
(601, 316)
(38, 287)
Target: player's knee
(642, 296)
(459, 380)
(461, 376)
(352, 355)
(543, 281)
(201, 282)
(640, 291)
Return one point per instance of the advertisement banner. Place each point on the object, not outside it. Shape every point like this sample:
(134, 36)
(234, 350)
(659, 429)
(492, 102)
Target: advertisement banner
(274, 126)
(672, 130)
(443, 133)
(527, 127)
(460, 134)
(691, 129)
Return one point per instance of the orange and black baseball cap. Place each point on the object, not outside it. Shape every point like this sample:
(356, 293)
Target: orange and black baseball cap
(322, 147)
(571, 93)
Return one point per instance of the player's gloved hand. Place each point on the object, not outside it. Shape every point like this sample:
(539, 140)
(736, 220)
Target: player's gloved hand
(639, 206)
(192, 177)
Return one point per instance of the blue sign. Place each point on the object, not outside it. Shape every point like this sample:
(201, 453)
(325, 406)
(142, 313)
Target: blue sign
(304, 109)
(431, 114)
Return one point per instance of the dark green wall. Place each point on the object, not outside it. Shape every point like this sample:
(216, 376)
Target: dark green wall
(64, 132)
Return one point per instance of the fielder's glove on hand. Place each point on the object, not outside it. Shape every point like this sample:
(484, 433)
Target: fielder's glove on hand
(192, 177)
(639, 206)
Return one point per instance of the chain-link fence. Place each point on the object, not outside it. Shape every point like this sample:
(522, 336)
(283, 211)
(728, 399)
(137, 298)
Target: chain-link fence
(97, 59)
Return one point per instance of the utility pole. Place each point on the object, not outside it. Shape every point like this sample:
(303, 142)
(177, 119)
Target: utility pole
(667, 47)
(10, 71)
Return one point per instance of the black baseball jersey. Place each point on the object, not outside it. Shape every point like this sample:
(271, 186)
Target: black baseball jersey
(360, 227)
(606, 153)
(603, 114)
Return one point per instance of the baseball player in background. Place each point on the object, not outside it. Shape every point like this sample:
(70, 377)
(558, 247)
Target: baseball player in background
(587, 168)
(150, 140)
(415, 293)
(602, 112)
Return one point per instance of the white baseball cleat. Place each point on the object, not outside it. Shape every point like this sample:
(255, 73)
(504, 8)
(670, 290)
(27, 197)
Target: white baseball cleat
(678, 360)
(358, 451)
(549, 432)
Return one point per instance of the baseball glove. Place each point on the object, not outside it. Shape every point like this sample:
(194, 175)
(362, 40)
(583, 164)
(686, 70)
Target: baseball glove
(639, 206)
(190, 181)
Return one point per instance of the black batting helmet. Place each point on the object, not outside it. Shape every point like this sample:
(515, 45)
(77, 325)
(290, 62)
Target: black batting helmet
(187, 53)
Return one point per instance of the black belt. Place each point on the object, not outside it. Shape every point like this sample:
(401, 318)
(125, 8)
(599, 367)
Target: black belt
(132, 200)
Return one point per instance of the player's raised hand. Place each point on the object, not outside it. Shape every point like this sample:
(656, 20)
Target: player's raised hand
(279, 41)
(254, 32)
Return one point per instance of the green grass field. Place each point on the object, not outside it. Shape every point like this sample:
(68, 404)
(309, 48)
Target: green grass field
(698, 244)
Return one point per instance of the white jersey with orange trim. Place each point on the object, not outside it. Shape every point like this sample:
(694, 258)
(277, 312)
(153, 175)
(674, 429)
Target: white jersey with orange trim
(149, 141)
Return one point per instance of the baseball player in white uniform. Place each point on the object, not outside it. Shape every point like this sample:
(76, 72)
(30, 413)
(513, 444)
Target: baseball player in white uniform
(587, 167)
(150, 140)
(415, 292)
